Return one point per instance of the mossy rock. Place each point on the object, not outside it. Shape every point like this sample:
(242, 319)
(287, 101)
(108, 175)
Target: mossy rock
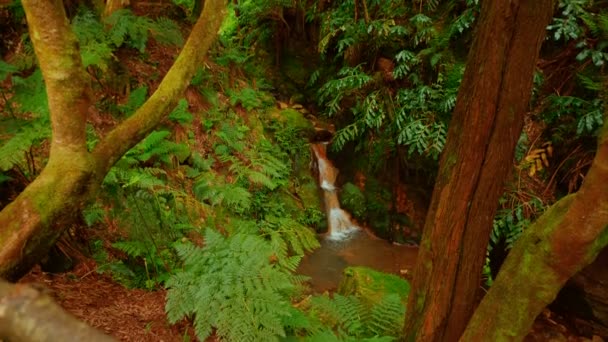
(291, 118)
(296, 119)
(309, 194)
(371, 285)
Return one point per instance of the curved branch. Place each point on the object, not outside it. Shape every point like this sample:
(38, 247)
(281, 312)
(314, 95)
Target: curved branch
(32, 223)
(566, 238)
(146, 118)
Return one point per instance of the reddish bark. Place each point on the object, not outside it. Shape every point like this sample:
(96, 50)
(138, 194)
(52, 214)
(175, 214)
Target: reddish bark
(485, 127)
(566, 238)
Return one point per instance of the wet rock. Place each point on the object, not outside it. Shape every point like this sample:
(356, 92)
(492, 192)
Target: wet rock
(321, 136)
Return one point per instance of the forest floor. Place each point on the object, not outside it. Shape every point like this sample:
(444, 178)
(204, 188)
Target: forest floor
(138, 315)
(126, 314)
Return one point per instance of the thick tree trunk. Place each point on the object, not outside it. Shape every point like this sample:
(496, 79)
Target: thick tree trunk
(31, 224)
(487, 122)
(28, 315)
(566, 238)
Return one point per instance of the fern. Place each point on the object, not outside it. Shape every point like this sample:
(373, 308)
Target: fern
(127, 28)
(21, 135)
(289, 237)
(155, 145)
(231, 285)
(167, 32)
(249, 98)
(6, 70)
(212, 189)
(387, 316)
(181, 114)
(136, 99)
(351, 318)
(13, 152)
(30, 94)
(95, 48)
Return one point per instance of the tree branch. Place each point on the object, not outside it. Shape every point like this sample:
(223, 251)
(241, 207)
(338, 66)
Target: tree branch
(29, 315)
(67, 84)
(31, 224)
(146, 118)
(566, 238)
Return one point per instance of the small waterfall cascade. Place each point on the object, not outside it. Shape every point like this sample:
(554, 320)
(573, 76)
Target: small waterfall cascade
(339, 221)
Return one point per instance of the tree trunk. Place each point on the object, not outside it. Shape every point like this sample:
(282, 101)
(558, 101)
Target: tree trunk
(566, 238)
(484, 130)
(31, 224)
(29, 315)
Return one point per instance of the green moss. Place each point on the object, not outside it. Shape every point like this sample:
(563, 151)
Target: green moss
(309, 194)
(372, 285)
(294, 68)
(353, 200)
(295, 119)
(292, 206)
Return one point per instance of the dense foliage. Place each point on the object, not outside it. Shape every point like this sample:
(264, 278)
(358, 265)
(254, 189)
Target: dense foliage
(214, 204)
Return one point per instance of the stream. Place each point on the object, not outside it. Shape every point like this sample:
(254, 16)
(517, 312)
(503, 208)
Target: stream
(347, 244)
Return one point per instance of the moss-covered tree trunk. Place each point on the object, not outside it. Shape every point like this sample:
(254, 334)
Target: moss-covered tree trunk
(31, 224)
(566, 238)
(484, 130)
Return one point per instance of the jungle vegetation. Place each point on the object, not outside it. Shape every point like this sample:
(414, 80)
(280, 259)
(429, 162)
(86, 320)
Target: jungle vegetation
(175, 142)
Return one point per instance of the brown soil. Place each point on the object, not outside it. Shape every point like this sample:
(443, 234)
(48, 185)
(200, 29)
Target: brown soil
(126, 314)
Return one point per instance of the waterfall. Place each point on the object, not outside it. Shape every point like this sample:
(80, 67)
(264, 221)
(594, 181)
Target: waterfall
(339, 221)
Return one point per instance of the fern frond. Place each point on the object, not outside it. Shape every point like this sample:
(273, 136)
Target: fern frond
(13, 151)
(238, 290)
(167, 32)
(387, 316)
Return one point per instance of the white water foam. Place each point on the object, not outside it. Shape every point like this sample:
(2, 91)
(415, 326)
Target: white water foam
(341, 224)
(327, 186)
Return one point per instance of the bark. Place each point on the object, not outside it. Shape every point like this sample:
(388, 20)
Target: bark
(29, 315)
(486, 124)
(52, 198)
(566, 238)
(31, 224)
